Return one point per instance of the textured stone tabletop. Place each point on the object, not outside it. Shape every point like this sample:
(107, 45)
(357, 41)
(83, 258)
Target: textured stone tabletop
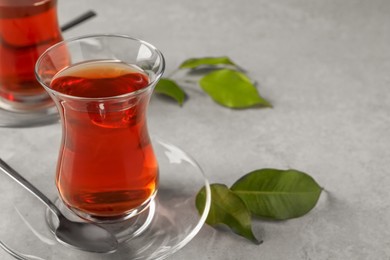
(325, 67)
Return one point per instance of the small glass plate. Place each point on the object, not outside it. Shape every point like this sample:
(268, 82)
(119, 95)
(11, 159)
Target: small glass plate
(27, 119)
(25, 234)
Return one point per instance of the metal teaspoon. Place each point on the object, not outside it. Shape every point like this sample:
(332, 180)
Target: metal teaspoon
(83, 236)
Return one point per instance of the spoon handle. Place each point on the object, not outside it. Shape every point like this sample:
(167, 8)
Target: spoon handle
(28, 186)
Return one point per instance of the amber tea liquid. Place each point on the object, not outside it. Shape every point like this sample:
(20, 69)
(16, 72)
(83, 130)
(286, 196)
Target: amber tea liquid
(107, 166)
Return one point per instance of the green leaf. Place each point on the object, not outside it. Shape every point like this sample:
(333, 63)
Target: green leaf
(227, 208)
(169, 88)
(232, 89)
(206, 61)
(278, 194)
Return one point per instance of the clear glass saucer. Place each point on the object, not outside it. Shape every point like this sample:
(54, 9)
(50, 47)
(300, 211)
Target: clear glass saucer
(27, 119)
(174, 221)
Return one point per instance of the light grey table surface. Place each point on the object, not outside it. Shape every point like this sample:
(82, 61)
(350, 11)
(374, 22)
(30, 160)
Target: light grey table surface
(324, 65)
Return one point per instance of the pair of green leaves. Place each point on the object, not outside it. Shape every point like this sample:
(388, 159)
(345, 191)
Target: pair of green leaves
(267, 193)
(224, 82)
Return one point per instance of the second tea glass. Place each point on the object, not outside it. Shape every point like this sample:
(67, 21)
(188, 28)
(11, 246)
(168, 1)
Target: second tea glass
(27, 29)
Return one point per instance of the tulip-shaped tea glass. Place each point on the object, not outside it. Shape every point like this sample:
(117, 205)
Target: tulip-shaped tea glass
(107, 170)
(27, 29)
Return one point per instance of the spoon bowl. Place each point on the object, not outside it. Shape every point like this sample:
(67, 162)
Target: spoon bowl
(84, 236)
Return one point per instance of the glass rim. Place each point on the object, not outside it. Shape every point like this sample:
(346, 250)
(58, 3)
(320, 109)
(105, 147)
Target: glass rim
(159, 73)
